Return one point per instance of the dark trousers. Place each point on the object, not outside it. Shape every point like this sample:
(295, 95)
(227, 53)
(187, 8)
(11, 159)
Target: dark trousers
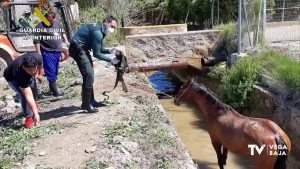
(84, 63)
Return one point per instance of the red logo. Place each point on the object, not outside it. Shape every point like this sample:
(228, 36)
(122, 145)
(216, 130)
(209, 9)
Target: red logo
(43, 3)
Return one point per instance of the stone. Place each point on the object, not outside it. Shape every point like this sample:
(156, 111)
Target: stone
(130, 145)
(117, 139)
(18, 164)
(9, 97)
(8, 110)
(2, 104)
(91, 149)
(168, 46)
(42, 153)
(125, 151)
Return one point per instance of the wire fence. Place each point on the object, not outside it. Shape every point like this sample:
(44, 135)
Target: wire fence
(272, 22)
(283, 26)
(252, 24)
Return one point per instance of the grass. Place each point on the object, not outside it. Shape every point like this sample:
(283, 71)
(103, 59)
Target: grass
(237, 82)
(123, 129)
(141, 99)
(281, 67)
(163, 163)
(96, 15)
(65, 74)
(230, 36)
(73, 94)
(93, 164)
(2, 98)
(162, 137)
(15, 142)
(141, 77)
(147, 126)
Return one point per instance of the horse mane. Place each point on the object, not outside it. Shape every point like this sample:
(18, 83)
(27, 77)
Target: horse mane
(210, 96)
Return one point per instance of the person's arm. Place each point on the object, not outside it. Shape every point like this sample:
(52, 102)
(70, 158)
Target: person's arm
(65, 39)
(40, 73)
(104, 50)
(31, 102)
(97, 45)
(38, 47)
(37, 41)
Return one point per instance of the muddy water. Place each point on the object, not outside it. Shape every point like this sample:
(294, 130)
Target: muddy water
(190, 125)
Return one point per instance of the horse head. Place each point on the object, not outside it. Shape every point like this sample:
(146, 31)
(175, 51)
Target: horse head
(184, 93)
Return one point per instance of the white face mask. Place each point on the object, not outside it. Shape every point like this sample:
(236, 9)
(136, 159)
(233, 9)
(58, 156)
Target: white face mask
(109, 30)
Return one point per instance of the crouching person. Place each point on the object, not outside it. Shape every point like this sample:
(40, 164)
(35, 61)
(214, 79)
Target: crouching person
(20, 74)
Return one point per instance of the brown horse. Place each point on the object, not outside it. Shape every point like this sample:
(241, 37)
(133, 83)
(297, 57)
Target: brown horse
(229, 130)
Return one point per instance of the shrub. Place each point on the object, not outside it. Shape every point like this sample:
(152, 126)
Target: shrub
(237, 83)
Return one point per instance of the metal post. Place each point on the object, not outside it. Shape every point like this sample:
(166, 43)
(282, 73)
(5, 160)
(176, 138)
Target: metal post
(264, 17)
(218, 12)
(239, 26)
(282, 17)
(212, 13)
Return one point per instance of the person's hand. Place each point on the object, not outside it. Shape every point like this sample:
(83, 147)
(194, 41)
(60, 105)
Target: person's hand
(67, 43)
(115, 60)
(113, 50)
(36, 119)
(40, 78)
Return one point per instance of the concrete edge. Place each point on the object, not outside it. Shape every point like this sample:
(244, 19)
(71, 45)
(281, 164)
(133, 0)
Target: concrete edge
(155, 26)
(175, 33)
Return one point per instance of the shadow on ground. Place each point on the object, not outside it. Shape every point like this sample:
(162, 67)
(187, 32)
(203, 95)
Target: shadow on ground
(61, 112)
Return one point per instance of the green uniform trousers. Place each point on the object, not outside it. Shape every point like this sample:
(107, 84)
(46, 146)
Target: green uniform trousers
(84, 63)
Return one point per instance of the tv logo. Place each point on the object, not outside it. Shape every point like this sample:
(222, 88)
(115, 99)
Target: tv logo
(277, 150)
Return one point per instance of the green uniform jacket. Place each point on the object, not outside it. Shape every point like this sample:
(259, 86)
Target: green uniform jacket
(90, 36)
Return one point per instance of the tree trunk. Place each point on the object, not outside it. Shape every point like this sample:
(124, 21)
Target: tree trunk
(187, 15)
(162, 17)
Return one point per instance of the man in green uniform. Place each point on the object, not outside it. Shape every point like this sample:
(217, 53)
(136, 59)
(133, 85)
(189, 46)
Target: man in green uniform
(90, 36)
(25, 21)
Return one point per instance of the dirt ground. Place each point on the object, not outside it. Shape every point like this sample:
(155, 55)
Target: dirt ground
(132, 131)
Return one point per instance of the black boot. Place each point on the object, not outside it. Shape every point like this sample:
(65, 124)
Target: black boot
(54, 90)
(86, 101)
(94, 103)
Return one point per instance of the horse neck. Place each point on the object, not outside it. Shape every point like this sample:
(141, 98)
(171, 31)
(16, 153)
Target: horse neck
(209, 109)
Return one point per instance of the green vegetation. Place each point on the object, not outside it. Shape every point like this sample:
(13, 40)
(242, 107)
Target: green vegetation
(67, 73)
(147, 126)
(136, 12)
(282, 68)
(15, 143)
(93, 164)
(230, 36)
(163, 164)
(96, 15)
(66, 79)
(237, 83)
